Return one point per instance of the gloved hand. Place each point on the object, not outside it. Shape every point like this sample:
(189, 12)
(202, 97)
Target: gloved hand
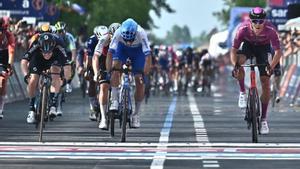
(269, 70)
(26, 77)
(235, 71)
(10, 70)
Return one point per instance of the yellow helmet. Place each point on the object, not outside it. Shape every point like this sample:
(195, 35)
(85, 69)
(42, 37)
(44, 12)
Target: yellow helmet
(45, 28)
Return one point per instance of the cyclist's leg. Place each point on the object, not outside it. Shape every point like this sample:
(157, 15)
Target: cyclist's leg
(3, 81)
(68, 72)
(242, 56)
(262, 58)
(118, 58)
(277, 79)
(138, 63)
(54, 88)
(103, 93)
(92, 93)
(35, 68)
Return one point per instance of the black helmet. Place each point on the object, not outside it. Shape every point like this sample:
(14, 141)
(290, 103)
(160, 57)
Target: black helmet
(47, 42)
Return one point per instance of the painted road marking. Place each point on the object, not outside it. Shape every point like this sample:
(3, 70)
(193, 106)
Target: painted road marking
(201, 134)
(160, 155)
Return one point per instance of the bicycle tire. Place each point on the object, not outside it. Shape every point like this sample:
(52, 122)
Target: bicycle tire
(253, 111)
(124, 110)
(273, 93)
(111, 123)
(38, 110)
(44, 102)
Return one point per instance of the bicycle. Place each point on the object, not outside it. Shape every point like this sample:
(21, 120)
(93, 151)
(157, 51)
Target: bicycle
(42, 102)
(125, 104)
(253, 113)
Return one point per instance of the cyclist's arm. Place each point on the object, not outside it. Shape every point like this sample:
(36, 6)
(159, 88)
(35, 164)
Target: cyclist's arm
(95, 64)
(276, 46)
(108, 62)
(276, 58)
(233, 55)
(148, 64)
(11, 48)
(24, 66)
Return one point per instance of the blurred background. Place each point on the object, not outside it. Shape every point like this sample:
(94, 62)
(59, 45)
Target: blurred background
(199, 24)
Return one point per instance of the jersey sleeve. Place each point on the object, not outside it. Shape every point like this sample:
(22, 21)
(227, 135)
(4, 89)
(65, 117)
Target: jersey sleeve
(72, 42)
(29, 53)
(99, 47)
(274, 38)
(239, 36)
(114, 42)
(145, 43)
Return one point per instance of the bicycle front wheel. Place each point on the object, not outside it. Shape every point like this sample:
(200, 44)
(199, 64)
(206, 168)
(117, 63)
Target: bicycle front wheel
(124, 110)
(254, 109)
(44, 103)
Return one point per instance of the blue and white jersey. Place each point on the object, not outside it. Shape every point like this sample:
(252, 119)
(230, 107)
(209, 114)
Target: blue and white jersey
(91, 44)
(140, 41)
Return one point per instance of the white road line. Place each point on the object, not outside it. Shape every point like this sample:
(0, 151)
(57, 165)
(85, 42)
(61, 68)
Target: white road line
(201, 134)
(160, 156)
(192, 144)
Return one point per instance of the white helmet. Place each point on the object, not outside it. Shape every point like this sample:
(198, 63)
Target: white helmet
(101, 32)
(113, 27)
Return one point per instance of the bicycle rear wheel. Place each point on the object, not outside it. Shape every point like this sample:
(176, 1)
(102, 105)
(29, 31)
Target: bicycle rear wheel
(254, 110)
(44, 103)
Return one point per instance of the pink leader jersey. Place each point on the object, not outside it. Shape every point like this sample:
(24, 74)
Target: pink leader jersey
(267, 35)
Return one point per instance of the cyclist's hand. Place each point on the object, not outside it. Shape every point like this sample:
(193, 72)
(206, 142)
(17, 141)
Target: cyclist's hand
(269, 70)
(235, 71)
(26, 77)
(10, 70)
(87, 75)
(80, 70)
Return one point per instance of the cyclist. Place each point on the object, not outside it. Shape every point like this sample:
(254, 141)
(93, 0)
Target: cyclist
(129, 41)
(7, 50)
(99, 60)
(256, 34)
(69, 43)
(46, 54)
(206, 63)
(91, 45)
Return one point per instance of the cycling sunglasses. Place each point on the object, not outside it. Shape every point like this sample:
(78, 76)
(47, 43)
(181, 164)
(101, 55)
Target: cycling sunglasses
(258, 21)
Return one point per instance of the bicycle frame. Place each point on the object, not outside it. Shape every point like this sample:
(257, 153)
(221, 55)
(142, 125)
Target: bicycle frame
(43, 103)
(253, 105)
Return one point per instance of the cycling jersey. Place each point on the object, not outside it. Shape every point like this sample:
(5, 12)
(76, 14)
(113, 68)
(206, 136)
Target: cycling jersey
(37, 63)
(81, 55)
(69, 41)
(91, 44)
(140, 41)
(7, 46)
(102, 47)
(268, 35)
(137, 51)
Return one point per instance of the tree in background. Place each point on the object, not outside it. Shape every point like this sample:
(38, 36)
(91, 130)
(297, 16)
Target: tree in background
(105, 12)
(224, 15)
(178, 35)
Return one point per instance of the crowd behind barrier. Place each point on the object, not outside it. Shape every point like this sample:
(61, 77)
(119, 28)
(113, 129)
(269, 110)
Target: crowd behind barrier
(290, 82)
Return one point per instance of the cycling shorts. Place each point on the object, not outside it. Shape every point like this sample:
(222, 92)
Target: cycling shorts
(135, 54)
(260, 52)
